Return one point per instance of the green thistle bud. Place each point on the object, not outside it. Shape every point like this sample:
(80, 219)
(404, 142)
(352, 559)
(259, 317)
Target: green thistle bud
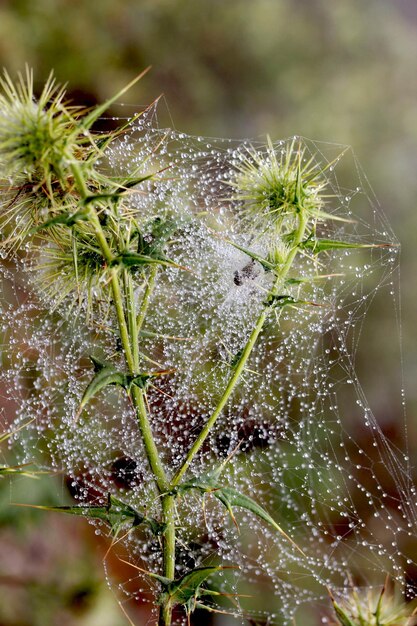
(70, 268)
(375, 608)
(274, 187)
(278, 253)
(38, 141)
(34, 135)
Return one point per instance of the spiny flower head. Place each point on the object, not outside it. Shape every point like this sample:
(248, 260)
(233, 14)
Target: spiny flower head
(35, 135)
(48, 156)
(274, 187)
(70, 267)
(375, 608)
(38, 140)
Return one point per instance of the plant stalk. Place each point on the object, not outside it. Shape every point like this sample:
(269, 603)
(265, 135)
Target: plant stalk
(127, 338)
(165, 615)
(146, 298)
(233, 380)
(168, 508)
(131, 318)
(151, 450)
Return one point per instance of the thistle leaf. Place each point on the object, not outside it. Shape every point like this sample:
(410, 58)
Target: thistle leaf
(256, 257)
(279, 302)
(115, 513)
(133, 259)
(98, 197)
(231, 497)
(115, 195)
(104, 375)
(184, 589)
(322, 245)
(98, 365)
(142, 380)
(65, 219)
(343, 618)
(206, 483)
(132, 182)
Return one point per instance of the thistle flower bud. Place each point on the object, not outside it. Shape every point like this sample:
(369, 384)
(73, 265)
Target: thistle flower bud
(38, 140)
(34, 134)
(375, 608)
(274, 187)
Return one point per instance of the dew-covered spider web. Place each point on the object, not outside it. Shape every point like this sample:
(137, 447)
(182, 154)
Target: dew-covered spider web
(298, 434)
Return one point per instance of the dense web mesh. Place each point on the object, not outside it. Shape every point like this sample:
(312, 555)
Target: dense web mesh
(298, 435)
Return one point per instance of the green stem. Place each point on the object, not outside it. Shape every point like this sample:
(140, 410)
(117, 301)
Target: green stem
(146, 297)
(129, 335)
(84, 192)
(151, 450)
(168, 508)
(124, 332)
(165, 615)
(233, 380)
(127, 340)
(168, 501)
(131, 318)
(225, 397)
(108, 255)
(138, 395)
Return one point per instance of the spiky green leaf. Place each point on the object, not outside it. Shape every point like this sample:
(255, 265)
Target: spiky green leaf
(64, 219)
(343, 618)
(133, 259)
(105, 375)
(231, 497)
(279, 302)
(121, 189)
(185, 588)
(100, 197)
(323, 245)
(115, 513)
(204, 484)
(256, 257)
(142, 380)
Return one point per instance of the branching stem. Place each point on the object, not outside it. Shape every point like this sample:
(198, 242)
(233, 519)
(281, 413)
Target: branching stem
(233, 380)
(128, 336)
(130, 323)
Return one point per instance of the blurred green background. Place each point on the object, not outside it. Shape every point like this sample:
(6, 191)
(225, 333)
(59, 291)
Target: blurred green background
(342, 71)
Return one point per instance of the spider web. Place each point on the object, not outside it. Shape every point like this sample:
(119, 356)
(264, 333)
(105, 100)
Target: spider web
(298, 436)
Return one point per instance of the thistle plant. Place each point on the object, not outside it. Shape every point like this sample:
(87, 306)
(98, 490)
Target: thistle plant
(178, 282)
(383, 607)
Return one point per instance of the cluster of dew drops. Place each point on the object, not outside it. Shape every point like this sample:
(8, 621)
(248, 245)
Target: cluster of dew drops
(287, 433)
